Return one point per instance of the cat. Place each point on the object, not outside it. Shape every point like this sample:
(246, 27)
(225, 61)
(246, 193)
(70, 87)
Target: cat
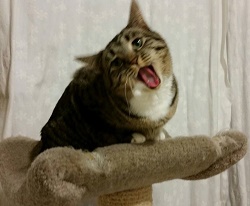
(125, 93)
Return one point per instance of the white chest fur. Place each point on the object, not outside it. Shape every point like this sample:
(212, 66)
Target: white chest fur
(152, 104)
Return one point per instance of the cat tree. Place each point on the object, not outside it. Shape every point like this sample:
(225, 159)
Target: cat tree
(118, 174)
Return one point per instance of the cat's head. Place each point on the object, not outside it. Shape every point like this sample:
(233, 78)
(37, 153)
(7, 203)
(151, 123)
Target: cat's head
(136, 58)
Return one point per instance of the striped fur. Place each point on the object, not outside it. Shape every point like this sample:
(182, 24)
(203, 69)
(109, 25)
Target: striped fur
(106, 103)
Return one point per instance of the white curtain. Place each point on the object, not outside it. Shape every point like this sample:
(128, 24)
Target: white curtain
(210, 45)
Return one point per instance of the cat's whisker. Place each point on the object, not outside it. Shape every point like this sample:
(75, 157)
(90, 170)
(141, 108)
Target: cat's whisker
(131, 73)
(125, 94)
(119, 77)
(130, 85)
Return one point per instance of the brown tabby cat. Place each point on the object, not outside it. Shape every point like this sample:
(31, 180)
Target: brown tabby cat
(125, 93)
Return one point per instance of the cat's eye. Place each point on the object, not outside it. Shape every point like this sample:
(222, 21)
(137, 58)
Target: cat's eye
(137, 43)
(117, 62)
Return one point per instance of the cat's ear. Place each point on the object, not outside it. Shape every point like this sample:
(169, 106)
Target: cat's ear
(86, 59)
(135, 17)
(91, 60)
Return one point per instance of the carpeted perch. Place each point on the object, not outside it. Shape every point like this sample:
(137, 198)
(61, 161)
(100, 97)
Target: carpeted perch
(119, 174)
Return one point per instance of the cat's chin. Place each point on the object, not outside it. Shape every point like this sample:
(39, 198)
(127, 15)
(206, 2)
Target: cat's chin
(149, 77)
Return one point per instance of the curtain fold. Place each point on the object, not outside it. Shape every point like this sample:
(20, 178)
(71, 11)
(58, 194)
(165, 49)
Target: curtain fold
(5, 60)
(238, 43)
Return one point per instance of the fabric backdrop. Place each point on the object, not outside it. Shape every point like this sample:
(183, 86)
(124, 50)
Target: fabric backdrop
(210, 45)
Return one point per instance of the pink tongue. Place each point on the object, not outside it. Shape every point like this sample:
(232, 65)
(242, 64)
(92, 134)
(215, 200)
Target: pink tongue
(149, 77)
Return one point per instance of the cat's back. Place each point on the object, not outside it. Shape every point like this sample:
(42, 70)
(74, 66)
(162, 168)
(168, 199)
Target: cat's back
(73, 113)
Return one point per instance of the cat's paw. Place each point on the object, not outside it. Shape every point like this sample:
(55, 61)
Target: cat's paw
(161, 137)
(138, 138)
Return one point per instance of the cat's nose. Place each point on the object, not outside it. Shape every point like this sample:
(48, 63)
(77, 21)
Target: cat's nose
(134, 60)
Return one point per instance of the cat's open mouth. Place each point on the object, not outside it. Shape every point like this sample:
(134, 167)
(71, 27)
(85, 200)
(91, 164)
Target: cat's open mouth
(149, 77)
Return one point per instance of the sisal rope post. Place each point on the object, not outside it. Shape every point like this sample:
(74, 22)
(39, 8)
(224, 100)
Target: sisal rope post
(136, 197)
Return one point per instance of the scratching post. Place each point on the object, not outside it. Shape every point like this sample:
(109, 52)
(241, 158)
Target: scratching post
(136, 197)
(118, 174)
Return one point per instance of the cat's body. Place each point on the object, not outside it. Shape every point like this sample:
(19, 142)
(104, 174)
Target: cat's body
(125, 93)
